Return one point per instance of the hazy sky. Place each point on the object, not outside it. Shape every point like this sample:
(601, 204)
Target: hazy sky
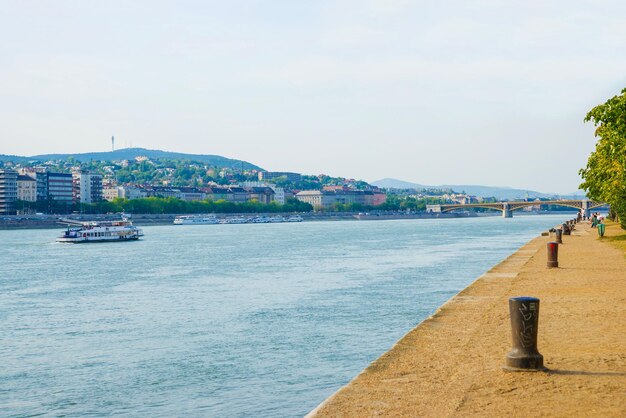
(472, 92)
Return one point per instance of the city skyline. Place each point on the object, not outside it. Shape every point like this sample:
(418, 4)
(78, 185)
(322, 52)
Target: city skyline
(384, 183)
(471, 93)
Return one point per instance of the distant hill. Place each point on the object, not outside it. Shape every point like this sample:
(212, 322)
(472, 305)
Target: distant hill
(14, 158)
(398, 184)
(131, 153)
(474, 190)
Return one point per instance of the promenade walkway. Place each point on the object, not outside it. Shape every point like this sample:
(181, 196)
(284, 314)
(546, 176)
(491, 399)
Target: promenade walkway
(450, 365)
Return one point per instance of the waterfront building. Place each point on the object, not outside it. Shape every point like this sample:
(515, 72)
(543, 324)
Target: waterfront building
(87, 187)
(59, 188)
(39, 174)
(26, 188)
(271, 175)
(354, 196)
(378, 198)
(319, 199)
(216, 193)
(280, 194)
(131, 192)
(159, 191)
(8, 191)
(184, 193)
(323, 199)
(190, 194)
(261, 194)
(237, 194)
(110, 193)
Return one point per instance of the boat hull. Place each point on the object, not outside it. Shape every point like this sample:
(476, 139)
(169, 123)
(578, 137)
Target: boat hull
(82, 240)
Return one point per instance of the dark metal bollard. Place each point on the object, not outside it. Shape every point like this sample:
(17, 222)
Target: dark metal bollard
(558, 236)
(553, 254)
(524, 356)
(566, 230)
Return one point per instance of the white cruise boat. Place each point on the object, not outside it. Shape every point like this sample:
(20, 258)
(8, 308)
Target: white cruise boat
(234, 220)
(196, 220)
(100, 231)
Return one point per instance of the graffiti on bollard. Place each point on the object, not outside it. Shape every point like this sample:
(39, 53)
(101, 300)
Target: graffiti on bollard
(524, 356)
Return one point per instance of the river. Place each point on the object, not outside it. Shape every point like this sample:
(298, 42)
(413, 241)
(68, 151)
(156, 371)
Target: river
(261, 320)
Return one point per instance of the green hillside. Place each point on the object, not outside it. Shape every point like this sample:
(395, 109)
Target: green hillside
(131, 153)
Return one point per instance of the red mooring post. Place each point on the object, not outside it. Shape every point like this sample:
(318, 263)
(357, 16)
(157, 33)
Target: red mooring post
(553, 254)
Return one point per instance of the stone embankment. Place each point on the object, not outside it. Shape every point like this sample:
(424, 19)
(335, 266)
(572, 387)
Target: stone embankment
(451, 364)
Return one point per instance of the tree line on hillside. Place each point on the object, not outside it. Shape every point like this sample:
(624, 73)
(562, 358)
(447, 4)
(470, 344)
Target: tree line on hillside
(159, 205)
(156, 205)
(605, 174)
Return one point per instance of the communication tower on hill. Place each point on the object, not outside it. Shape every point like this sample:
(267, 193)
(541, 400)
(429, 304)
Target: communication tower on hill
(112, 143)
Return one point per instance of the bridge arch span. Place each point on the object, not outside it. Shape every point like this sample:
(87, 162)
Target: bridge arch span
(508, 207)
(465, 207)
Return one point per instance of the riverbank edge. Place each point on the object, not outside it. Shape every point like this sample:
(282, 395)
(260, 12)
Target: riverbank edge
(52, 221)
(451, 363)
(168, 219)
(534, 242)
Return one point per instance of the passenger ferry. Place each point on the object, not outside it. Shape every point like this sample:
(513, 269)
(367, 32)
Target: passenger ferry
(196, 220)
(100, 231)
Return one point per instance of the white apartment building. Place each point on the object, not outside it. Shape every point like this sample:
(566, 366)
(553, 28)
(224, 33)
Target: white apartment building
(87, 187)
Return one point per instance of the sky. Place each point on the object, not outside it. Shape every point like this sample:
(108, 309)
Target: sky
(456, 92)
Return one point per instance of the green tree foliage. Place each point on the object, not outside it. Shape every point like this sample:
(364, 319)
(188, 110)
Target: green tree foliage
(158, 205)
(393, 203)
(605, 174)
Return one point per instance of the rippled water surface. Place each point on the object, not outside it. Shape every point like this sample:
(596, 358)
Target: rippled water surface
(225, 320)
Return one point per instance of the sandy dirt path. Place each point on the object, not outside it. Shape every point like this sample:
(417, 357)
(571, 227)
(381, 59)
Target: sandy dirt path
(451, 364)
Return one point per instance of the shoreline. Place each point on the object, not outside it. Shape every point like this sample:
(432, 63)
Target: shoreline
(328, 401)
(450, 363)
(51, 221)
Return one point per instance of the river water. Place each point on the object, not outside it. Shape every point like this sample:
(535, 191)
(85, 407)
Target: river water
(262, 320)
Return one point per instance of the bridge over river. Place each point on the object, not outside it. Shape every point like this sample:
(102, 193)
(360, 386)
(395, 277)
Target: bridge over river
(507, 208)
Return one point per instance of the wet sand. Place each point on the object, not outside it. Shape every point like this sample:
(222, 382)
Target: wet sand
(451, 364)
